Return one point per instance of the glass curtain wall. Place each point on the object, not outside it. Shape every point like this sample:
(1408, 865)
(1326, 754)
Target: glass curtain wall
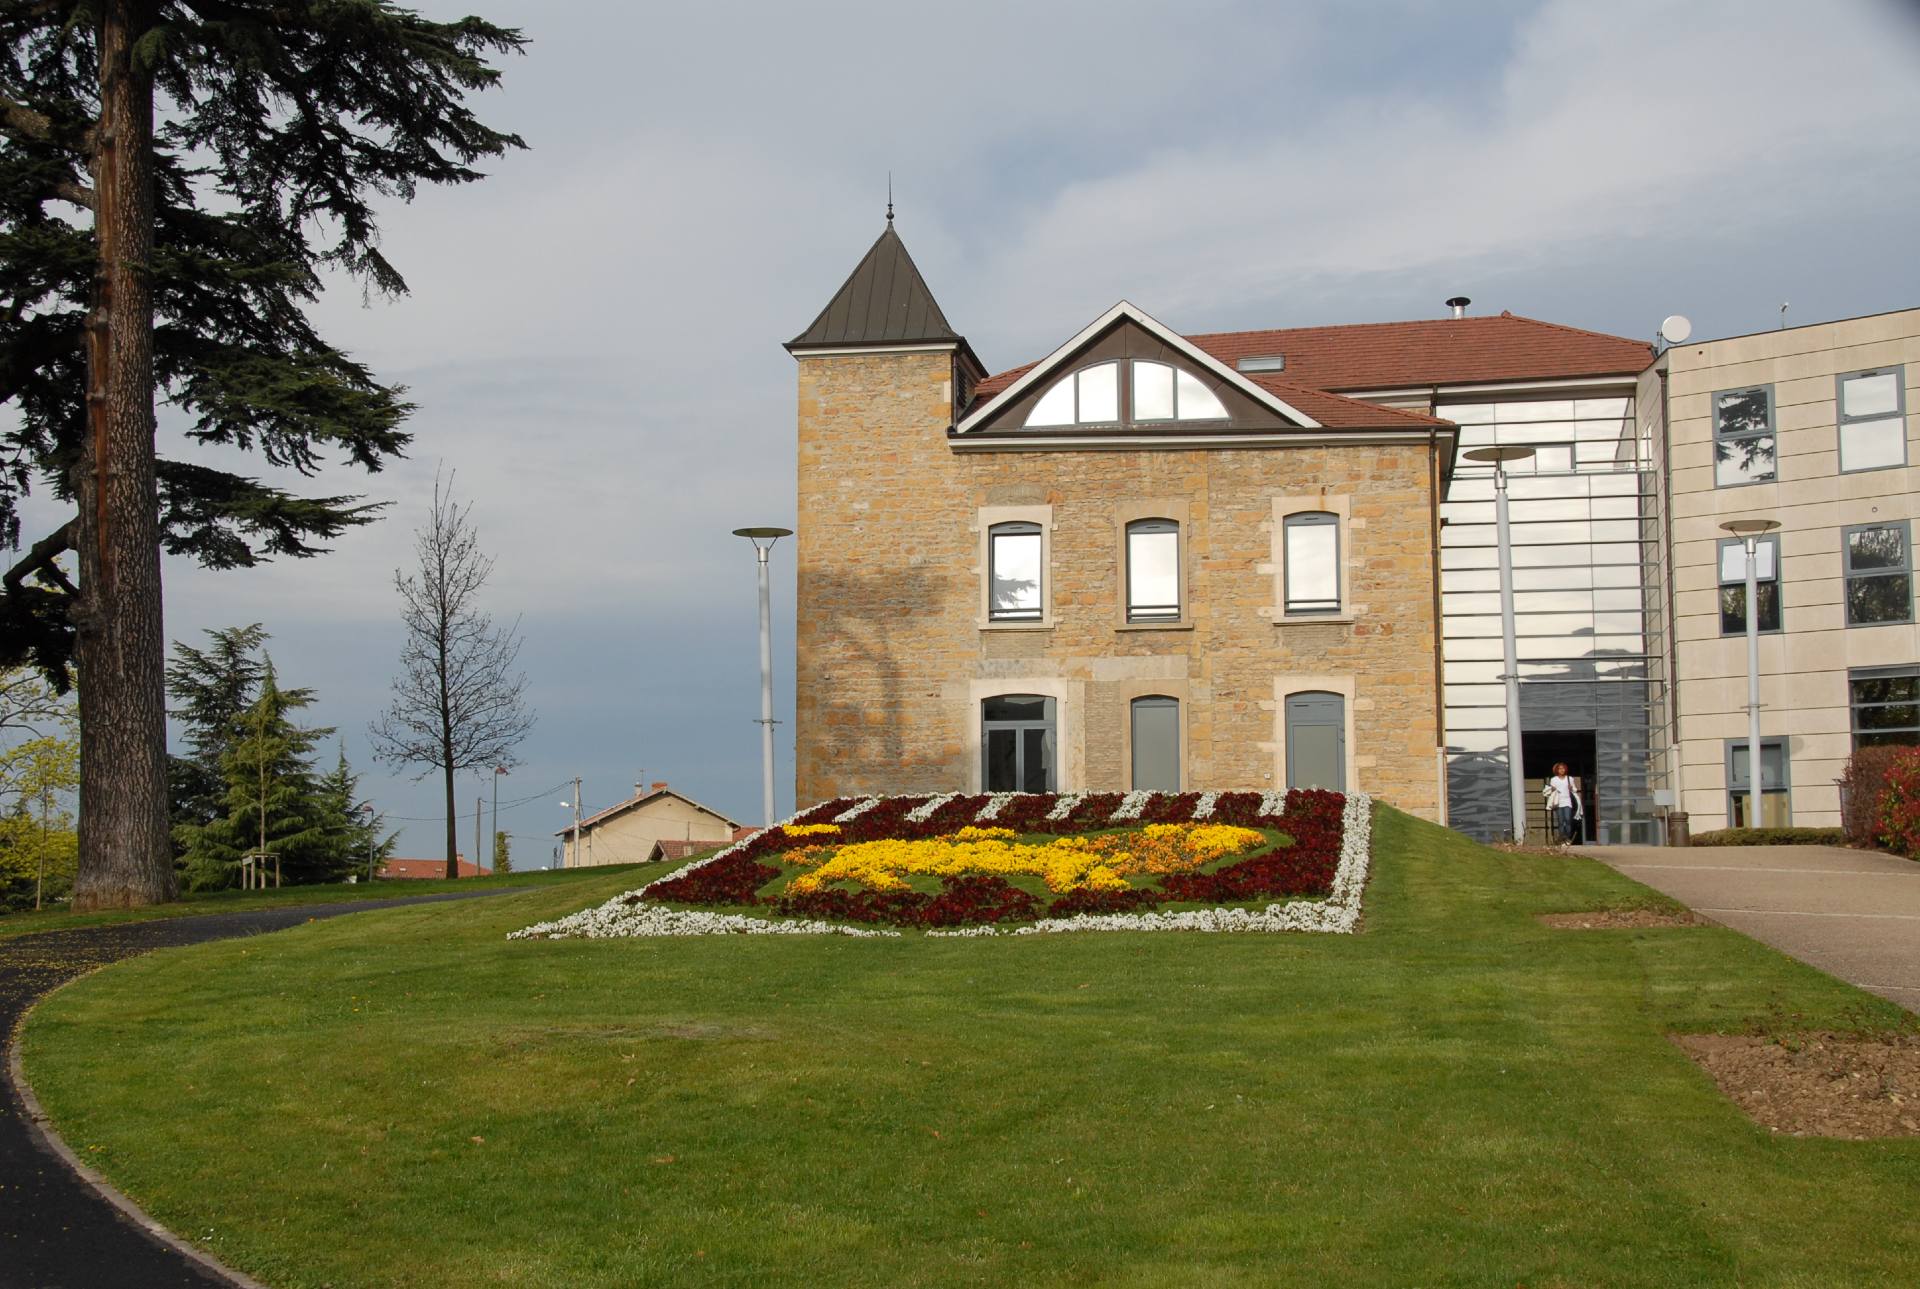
(1587, 600)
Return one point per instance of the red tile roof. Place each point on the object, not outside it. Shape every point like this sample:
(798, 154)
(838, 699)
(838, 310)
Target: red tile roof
(679, 848)
(1434, 351)
(1393, 355)
(420, 870)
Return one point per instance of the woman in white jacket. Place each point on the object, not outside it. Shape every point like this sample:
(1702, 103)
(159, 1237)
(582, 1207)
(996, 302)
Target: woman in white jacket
(1562, 793)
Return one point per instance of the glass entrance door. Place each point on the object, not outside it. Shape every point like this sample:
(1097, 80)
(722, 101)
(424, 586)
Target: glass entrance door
(1017, 744)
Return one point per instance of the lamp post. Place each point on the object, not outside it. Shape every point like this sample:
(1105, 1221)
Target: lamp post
(1749, 531)
(763, 540)
(1509, 644)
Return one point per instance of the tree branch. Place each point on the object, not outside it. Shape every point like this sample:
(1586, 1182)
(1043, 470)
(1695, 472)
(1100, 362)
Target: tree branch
(41, 557)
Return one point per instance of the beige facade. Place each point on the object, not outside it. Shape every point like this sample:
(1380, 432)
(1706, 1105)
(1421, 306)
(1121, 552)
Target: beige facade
(1809, 666)
(627, 833)
(897, 652)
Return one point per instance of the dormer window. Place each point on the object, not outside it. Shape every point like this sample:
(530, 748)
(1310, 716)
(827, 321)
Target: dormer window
(1162, 392)
(1157, 392)
(1091, 396)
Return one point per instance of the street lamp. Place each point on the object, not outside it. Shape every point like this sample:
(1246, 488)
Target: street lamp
(1749, 532)
(763, 540)
(1509, 646)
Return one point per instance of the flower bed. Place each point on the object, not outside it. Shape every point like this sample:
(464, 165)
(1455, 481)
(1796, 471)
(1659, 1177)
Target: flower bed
(1017, 863)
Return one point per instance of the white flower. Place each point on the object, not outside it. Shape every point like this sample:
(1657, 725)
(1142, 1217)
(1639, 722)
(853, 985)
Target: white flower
(1203, 808)
(1131, 805)
(995, 804)
(1064, 807)
(857, 809)
(920, 814)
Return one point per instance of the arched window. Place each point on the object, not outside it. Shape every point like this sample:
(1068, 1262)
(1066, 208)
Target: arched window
(1312, 562)
(1014, 573)
(1153, 571)
(1162, 392)
(1091, 396)
(1017, 744)
(1156, 392)
(1156, 743)
(1317, 741)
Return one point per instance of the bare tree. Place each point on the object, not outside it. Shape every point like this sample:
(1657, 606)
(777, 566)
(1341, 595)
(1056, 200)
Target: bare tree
(457, 702)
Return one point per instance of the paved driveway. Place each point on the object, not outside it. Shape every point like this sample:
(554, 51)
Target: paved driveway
(57, 1232)
(1853, 914)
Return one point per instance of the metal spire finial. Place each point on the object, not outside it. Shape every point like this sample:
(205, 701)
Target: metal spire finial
(889, 196)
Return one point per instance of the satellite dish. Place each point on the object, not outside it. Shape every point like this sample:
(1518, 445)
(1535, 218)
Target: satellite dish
(1675, 329)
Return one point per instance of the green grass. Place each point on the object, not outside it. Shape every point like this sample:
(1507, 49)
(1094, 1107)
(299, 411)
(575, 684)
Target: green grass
(1457, 1096)
(26, 923)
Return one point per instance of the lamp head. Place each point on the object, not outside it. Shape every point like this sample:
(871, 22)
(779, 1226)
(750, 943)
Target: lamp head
(1499, 455)
(1749, 527)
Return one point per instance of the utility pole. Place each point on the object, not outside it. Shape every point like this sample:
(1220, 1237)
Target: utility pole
(498, 770)
(479, 804)
(576, 822)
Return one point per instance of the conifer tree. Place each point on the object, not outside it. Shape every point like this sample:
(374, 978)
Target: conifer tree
(502, 854)
(175, 178)
(354, 840)
(273, 805)
(211, 689)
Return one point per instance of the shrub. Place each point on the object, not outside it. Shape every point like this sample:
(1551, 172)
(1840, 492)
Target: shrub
(1863, 788)
(1900, 804)
(1772, 837)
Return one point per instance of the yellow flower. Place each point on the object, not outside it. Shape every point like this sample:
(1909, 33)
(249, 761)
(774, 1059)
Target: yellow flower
(811, 830)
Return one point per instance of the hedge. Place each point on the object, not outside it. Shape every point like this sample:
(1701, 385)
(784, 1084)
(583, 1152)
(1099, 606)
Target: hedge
(1772, 837)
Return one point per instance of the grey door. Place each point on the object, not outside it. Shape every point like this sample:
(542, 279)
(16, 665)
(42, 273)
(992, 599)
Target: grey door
(1156, 744)
(1317, 741)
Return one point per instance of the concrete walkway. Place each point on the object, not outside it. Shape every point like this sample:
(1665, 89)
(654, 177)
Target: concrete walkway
(56, 1230)
(1853, 914)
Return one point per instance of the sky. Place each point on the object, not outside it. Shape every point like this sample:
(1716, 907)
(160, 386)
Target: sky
(593, 333)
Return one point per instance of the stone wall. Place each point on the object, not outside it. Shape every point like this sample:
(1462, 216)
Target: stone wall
(894, 655)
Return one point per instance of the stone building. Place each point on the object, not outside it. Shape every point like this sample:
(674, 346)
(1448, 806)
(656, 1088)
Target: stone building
(1130, 564)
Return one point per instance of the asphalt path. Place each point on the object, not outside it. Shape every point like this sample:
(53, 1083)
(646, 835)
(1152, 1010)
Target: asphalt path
(1854, 914)
(56, 1231)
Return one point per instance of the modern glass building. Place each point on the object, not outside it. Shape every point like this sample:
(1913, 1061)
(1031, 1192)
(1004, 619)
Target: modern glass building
(1589, 610)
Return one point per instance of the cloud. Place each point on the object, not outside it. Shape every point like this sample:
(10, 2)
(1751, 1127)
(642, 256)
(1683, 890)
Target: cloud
(593, 335)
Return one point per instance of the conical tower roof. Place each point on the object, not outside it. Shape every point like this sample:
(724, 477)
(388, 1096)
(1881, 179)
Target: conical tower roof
(884, 302)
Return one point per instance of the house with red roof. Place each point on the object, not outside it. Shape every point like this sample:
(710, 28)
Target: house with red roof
(1270, 559)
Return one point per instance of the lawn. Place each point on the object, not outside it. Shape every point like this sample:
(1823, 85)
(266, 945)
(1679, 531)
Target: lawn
(26, 923)
(1456, 1096)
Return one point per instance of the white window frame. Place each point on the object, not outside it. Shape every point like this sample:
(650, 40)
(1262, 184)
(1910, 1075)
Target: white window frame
(1138, 615)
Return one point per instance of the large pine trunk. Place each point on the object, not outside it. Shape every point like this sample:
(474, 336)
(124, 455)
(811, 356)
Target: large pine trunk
(125, 857)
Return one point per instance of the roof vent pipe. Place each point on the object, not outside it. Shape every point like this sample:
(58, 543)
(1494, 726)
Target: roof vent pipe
(1459, 305)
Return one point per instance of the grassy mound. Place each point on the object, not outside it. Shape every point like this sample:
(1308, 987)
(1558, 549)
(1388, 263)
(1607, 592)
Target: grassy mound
(1458, 1096)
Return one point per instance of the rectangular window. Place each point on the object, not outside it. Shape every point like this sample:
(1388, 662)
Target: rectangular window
(1733, 584)
(1153, 571)
(1776, 810)
(1872, 410)
(1743, 443)
(1886, 706)
(1312, 562)
(1879, 574)
(1014, 573)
